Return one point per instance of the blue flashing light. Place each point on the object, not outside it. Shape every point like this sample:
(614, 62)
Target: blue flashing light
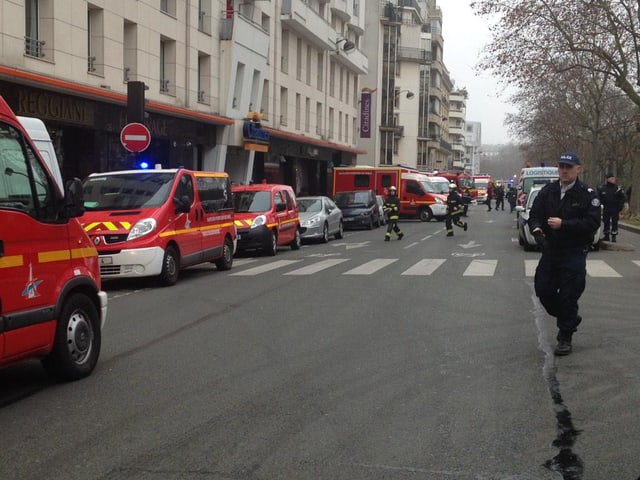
(143, 164)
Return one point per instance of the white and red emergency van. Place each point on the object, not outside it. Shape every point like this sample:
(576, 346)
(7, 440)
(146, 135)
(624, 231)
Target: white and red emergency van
(531, 176)
(418, 198)
(153, 223)
(51, 303)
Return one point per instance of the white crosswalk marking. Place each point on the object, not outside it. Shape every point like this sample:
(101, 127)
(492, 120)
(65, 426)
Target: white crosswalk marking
(481, 268)
(318, 266)
(599, 268)
(267, 267)
(371, 267)
(425, 266)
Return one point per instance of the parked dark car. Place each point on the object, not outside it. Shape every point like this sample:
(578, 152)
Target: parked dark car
(359, 208)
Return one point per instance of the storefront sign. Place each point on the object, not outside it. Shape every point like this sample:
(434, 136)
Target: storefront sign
(52, 106)
(253, 131)
(365, 115)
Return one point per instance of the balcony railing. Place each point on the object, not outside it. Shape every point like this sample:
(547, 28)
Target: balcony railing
(34, 47)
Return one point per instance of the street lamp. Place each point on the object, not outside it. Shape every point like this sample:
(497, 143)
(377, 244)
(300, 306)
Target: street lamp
(409, 94)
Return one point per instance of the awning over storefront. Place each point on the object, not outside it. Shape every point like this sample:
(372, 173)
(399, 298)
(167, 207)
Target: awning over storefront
(314, 141)
(104, 95)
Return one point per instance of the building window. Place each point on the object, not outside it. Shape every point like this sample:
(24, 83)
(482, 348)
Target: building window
(320, 73)
(298, 107)
(130, 51)
(264, 104)
(167, 66)
(204, 16)
(95, 40)
(284, 57)
(319, 130)
(38, 28)
(238, 86)
(307, 115)
(204, 78)
(332, 77)
(168, 6)
(309, 59)
(299, 60)
(330, 122)
(284, 101)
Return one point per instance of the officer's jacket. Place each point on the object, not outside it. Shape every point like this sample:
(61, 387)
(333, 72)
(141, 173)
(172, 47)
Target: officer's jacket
(612, 196)
(579, 211)
(392, 203)
(454, 201)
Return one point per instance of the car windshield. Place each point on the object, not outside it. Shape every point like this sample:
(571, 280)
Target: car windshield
(310, 204)
(530, 182)
(251, 201)
(481, 183)
(440, 187)
(127, 191)
(352, 199)
(428, 187)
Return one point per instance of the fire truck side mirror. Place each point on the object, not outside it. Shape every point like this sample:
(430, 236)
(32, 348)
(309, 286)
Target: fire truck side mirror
(74, 198)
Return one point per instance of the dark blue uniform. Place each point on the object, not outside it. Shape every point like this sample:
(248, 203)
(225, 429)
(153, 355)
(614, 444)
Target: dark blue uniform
(612, 198)
(454, 210)
(561, 272)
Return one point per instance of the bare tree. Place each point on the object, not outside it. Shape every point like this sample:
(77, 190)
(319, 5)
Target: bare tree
(534, 39)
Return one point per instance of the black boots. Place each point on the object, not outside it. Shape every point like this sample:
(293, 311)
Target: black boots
(606, 237)
(613, 237)
(564, 344)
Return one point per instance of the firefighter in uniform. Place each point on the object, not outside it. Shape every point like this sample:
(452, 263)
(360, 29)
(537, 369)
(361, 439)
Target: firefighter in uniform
(454, 210)
(612, 198)
(564, 218)
(392, 206)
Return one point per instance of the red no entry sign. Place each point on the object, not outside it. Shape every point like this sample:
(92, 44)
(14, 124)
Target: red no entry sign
(135, 137)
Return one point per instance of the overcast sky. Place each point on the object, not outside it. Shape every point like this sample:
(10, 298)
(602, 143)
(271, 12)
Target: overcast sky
(464, 36)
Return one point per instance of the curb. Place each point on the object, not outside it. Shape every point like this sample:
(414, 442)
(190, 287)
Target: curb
(628, 227)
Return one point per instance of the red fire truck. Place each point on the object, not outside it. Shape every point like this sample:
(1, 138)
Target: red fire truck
(463, 181)
(418, 198)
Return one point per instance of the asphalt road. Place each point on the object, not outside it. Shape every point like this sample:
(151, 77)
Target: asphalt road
(425, 358)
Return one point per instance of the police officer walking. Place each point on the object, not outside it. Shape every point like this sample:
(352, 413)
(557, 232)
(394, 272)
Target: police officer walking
(563, 219)
(454, 210)
(612, 197)
(392, 206)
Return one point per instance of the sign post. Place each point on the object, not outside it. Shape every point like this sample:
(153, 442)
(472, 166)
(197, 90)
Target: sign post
(135, 137)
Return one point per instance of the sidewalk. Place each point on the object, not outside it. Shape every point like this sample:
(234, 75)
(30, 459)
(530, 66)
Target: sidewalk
(628, 227)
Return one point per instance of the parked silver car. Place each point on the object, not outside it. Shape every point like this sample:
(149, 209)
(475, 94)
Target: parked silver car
(525, 237)
(320, 218)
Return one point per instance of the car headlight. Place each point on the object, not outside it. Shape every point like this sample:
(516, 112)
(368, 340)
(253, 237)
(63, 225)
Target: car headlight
(366, 213)
(439, 201)
(311, 222)
(142, 228)
(259, 221)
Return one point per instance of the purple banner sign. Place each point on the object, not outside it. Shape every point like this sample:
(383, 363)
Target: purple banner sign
(365, 115)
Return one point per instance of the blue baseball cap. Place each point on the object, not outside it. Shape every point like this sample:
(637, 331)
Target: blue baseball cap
(569, 158)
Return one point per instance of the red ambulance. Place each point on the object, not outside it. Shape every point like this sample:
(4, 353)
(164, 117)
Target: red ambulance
(51, 303)
(418, 197)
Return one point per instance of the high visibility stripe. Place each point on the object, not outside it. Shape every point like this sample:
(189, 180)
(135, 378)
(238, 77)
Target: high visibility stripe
(83, 252)
(171, 233)
(108, 225)
(11, 261)
(54, 256)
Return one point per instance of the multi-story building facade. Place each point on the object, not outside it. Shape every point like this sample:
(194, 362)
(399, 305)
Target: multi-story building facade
(473, 138)
(207, 66)
(457, 131)
(407, 87)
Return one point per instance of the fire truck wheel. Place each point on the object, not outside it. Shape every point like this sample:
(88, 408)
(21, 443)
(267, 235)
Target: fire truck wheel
(77, 342)
(226, 261)
(170, 267)
(272, 246)
(425, 214)
(297, 241)
(340, 233)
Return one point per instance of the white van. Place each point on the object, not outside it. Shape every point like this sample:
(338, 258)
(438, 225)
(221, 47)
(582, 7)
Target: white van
(534, 176)
(40, 137)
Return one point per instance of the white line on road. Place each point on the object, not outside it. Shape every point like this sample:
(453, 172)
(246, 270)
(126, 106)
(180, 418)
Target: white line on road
(481, 268)
(318, 266)
(425, 267)
(265, 268)
(598, 268)
(371, 267)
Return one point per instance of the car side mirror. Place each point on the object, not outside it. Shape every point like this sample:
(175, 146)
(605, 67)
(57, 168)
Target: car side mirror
(519, 208)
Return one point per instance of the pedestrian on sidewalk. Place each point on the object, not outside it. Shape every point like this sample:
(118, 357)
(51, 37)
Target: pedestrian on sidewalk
(454, 210)
(563, 219)
(612, 198)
